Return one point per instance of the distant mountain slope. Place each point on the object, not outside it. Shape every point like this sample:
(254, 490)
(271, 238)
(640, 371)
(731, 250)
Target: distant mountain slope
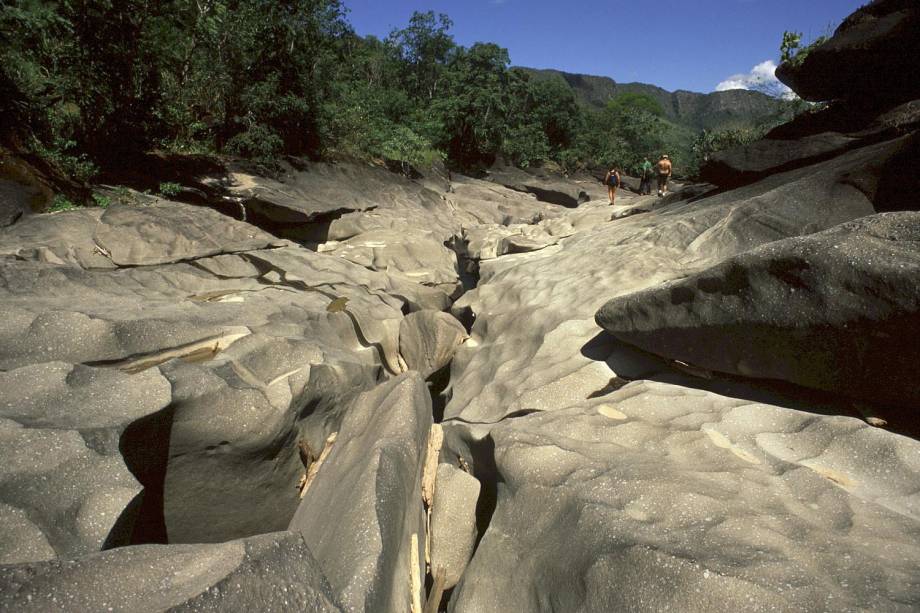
(688, 109)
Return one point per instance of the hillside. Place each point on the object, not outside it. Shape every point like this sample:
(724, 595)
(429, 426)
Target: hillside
(688, 109)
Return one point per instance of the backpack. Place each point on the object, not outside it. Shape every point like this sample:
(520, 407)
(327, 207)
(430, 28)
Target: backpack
(613, 181)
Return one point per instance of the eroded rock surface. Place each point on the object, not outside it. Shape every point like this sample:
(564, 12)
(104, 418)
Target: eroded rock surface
(66, 488)
(660, 497)
(359, 516)
(531, 345)
(261, 343)
(838, 310)
(547, 187)
(428, 340)
(453, 522)
(272, 572)
(170, 375)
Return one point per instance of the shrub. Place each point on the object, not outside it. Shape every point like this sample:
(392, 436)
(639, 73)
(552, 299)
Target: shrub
(169, 189)
(258, 142)
(792, 51)
(61, 203)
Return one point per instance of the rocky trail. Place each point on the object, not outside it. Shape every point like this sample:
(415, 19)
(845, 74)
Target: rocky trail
(343, 389)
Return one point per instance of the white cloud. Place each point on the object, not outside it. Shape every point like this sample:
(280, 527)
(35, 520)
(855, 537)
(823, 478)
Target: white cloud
(762, 77)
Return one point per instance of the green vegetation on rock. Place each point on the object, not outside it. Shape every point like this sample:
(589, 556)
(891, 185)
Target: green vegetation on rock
(792, 51)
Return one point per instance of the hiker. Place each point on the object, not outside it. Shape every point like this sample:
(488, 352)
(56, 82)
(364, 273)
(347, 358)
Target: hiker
(612, 181)
(645, 171)
(664, 173)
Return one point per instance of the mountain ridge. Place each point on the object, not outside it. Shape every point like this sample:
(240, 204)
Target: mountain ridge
(715, 110)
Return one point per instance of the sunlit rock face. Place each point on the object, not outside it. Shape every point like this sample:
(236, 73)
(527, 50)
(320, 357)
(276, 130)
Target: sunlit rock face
(699, 402)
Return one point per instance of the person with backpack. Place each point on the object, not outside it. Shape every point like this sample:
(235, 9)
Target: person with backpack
(612, 181)
(645, 171)
(664, 174)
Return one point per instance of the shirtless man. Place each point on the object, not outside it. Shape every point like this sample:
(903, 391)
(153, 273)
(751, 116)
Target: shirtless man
(664, 173)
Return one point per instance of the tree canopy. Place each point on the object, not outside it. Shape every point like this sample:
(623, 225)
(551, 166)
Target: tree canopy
(82, 81)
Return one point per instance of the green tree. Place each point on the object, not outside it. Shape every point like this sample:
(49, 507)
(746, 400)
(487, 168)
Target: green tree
(473, 109)
(634, 128)
(790, 45)
(424, 47)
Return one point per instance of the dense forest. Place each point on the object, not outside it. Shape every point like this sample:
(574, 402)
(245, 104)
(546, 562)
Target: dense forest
(84, 80)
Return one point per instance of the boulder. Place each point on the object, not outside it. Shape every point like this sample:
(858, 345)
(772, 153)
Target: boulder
(272, 572)
(359, 515)
(16, 201)
(428, 340)
(659, 497)
(309, 192)
(453, 522)
(867, 58)
(25, 187)
(748, 163)
(545, 186)
(828, 311)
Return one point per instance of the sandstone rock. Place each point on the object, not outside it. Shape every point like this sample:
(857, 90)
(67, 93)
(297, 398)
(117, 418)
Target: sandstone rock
(67, 487)
(487, 242)
(263, 348)
(659, 497)
(544, 186)
(474, 201)
(273, 572)
(310, 192)
(360, 513)
(15, 201)
(865, 59)
(747, 163)
(453, 522)
(421, 259)
(428, 340)
(828, 310)
(531, 345)
(130, 236)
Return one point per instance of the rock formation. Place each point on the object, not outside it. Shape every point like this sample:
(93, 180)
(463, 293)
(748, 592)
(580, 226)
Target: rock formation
(700, 402)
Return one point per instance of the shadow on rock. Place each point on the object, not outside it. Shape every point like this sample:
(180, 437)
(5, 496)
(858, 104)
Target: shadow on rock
(145, 447)
(631, 363)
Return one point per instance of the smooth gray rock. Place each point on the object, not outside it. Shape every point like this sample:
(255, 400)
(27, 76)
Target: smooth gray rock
(660, 497)
(867, 58)
(165, 232)
(419, 257)
(65, 485)
(16, 201)
(428, 340)
(453, 522)
(263, 348)
(360, 513)
(533, 344)
(838, 310)
(747, 163)
(545, 186)
(272, 572)
(312, 191)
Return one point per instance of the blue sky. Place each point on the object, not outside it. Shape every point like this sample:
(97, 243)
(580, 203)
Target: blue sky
(696, 44)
